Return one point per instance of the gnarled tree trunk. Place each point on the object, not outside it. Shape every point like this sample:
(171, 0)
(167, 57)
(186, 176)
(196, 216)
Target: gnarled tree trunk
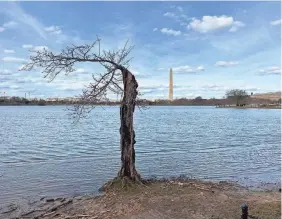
(127, 134)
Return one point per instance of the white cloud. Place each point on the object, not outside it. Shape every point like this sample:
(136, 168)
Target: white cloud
(213, 87)
(162, 87)
(15, 12)
(225, 64)
(13, 59)
(14, 87)
(27, 46)
(222, 88)
(34, 80)
(160, 69)
(5, 72)
(146, 91)
(153, 85)
(276, 22)
(135, 72)
(74, 86)
(185, 17)
(181, 18)
(200, 68)
(171, 32)
(53, 30)
(40, 48)
(236, 26)
(191, 95)
(81, 70)
(169, 14)
(180, 9)
(233, 29)
(141, 74)
(181, 88)
(21, 67)
(188, 69)
(155, 29)
(272, 70)
(213, 23)
(9, 51)
(249, 88)
(10, 24)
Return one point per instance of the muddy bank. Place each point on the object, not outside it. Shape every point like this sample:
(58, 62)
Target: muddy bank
(158, 199)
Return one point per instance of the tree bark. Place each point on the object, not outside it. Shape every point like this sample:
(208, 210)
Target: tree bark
(237, 101)
(127, 134)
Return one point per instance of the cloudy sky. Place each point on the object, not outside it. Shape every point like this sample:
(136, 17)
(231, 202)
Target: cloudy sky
(212, 46)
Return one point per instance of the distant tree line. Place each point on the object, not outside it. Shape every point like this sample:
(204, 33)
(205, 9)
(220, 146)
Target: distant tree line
(232, 97)
(16, 101)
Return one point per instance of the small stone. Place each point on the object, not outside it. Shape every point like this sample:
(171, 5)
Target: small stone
(50, 200)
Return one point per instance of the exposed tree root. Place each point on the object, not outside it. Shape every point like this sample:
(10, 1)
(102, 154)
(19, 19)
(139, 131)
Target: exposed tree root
(52, 209)
(123, 183)
(11, 209)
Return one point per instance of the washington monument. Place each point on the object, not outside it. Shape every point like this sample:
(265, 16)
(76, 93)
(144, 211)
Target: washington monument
(170, 85)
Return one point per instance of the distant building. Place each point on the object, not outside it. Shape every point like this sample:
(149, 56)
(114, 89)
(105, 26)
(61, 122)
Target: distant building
(50, 99)
(6, 97)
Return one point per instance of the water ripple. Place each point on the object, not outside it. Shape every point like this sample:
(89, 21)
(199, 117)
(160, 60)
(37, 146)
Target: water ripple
(43, 153)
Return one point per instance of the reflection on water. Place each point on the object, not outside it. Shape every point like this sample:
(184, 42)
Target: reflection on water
(44, 154)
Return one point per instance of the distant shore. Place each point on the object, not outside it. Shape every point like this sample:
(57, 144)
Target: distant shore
(252, 107)
(174, 198)
(188, 105)
(198, 101)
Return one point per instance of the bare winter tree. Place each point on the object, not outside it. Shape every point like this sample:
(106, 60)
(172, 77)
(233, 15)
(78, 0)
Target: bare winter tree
(237, 95)
(117, 79)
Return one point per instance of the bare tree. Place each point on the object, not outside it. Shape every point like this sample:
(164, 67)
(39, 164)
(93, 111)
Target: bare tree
(237, 95)
(117, 79)
(199, 98)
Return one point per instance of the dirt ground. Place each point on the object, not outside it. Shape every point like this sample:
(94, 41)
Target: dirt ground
(190, 199)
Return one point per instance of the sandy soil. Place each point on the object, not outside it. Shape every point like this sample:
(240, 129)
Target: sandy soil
(158, 200)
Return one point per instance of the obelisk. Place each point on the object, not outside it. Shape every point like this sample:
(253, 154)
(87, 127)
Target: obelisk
(170, 85)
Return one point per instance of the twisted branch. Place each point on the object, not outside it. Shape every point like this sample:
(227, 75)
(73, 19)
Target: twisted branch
(111, 80)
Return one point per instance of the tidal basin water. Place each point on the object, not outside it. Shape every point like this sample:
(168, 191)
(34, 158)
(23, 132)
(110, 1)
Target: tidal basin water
(42, 153)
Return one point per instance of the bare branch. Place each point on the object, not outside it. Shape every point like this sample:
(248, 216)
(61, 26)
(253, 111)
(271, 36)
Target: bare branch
(141, 103)
(111, 80)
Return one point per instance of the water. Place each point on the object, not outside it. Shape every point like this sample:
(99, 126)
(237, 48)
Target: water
(43, 154)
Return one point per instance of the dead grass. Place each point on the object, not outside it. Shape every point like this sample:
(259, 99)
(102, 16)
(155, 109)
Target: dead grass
(180, 198)
(268, 96)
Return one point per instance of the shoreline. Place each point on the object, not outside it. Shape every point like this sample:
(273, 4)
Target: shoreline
(250, 107)
(178, 105)
(167, 198)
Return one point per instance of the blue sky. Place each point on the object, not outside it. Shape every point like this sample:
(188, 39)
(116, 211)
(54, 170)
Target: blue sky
(211, 46)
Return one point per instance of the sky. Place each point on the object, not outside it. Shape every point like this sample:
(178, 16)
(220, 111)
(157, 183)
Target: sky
(211, 46)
